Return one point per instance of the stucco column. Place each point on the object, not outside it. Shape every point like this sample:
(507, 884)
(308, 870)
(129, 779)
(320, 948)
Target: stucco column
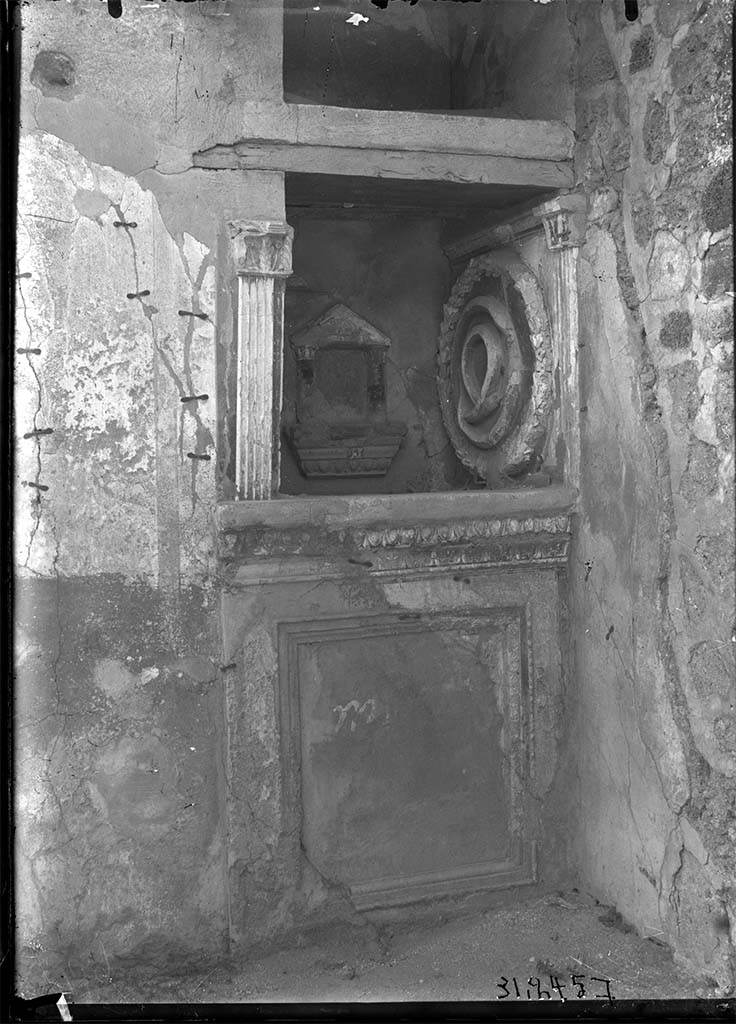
(564, 221)
(262, 253)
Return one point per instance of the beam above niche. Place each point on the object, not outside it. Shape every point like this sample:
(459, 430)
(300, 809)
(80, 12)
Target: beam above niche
(399, 144)
(411, 130)
(457, 168)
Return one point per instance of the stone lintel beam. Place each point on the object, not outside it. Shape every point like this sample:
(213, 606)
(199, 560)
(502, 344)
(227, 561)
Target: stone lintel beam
(396, 143)
(425, 132)
(262, 256)
(404, 130)
(371, 162)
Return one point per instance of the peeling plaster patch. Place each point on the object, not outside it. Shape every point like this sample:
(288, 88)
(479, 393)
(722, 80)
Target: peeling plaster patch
(53, 73)
(112, 374)
(194, 253)
(201, 670)
(91, 204)
(123, 145)
(113, 678)
(136, 782)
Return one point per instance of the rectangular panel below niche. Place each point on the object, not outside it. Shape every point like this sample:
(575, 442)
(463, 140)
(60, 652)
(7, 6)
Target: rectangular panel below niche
(407, 746)
(400, 891)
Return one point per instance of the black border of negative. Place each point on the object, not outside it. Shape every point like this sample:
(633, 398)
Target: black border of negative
(59, 1006)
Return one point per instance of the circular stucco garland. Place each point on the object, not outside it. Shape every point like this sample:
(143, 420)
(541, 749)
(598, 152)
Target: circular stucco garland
(518, 448)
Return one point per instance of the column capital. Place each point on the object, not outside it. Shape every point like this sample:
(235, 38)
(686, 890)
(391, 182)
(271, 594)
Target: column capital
(564, 219)
(261, 248)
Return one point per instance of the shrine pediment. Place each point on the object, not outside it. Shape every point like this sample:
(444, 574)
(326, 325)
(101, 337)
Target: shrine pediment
(339, 327)
(342, 427)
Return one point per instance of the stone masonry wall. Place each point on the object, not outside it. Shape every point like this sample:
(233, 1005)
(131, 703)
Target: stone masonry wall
(655, 805)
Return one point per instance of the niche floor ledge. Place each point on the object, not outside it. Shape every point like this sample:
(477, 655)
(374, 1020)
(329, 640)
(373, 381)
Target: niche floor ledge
(333, 512)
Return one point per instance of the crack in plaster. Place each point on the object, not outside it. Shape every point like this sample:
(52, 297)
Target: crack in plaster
(632, 678)
(36, 513)
(673, 896)
(419, 375)
(148, 312)
(186, 387)
(343, 893)
(203, 434)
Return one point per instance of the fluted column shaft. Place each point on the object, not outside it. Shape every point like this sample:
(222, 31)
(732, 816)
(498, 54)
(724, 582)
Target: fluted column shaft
(564, 221)
(262, 251)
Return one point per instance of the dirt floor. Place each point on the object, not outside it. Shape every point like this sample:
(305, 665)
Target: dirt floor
(565, 944)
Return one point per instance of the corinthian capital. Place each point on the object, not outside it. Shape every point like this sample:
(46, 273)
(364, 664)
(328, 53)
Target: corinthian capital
(564, 219)
(262, 248)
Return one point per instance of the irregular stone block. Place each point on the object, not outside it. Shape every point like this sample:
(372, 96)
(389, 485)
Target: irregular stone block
(724, 405)
(718, 270)
(682, 382)
(669, 267)
(642, 219)
(642, 52)
(656, 132)
(677, 330)
(694, 591)
(717, 202)
(670, 14)
(716, 551)
(701, 476)
(599, 67)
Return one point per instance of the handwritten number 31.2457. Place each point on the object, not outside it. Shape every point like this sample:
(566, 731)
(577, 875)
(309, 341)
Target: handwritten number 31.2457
(536, 991)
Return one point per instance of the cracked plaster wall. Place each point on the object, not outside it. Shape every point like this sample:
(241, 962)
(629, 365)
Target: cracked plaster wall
(655, 802)
(119, 692)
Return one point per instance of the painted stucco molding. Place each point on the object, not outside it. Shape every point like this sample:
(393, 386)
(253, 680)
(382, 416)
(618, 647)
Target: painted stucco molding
(262, 255)
(461, 532)
(255, 553)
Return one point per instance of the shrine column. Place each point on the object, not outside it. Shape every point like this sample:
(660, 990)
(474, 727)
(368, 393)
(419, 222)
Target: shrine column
(564, 220)
(262, 254)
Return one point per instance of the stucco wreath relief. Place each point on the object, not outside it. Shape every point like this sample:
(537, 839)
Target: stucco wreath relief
(495, 367)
